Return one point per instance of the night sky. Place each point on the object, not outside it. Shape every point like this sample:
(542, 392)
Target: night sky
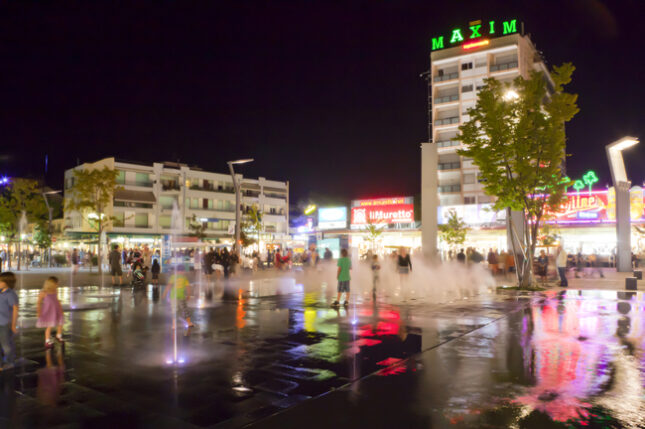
(327, 96)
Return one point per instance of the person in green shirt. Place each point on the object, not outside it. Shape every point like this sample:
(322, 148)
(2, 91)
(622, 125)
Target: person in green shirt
(344, 265)
(177, 288)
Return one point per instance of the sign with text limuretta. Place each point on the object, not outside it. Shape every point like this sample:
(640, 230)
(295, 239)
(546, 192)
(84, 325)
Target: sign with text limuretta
(476, 34)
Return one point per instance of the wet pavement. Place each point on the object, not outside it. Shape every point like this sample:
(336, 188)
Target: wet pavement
(272, 355)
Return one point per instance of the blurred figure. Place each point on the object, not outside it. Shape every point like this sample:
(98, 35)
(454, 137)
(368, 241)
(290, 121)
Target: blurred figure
(344, 266)
(461, 256)
(542, 265)
(50, 312)
(114, 259)
(328, 255)
(376, 269)
(50, 379)
(178, 290)
(492, 261)
(561, 264)
(75, 260)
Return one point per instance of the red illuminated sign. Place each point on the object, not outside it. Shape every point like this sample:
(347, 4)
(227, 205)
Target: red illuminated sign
(597, 207)
(399, 213)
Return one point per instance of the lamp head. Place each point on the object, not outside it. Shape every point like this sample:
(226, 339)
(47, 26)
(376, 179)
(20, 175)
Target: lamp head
(241, 161)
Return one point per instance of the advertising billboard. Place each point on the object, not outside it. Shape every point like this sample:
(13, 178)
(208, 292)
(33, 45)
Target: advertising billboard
(382, 211)
(332, 217)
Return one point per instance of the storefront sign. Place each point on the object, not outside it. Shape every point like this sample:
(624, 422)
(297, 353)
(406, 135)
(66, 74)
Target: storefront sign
(332, 217)
(597, 207)
(476, 35)
(383, 210)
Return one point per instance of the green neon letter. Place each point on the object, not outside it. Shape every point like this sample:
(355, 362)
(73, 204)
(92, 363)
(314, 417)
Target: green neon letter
(456, 36)
(492, 27)
(475, 30)
(510, 27)
(437, 43)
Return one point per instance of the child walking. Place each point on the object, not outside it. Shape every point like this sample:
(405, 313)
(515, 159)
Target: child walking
(50, 312)
(8, 317)
(344, 265)
(178, 290)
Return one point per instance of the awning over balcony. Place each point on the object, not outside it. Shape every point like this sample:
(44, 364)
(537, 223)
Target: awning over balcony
(134, 196)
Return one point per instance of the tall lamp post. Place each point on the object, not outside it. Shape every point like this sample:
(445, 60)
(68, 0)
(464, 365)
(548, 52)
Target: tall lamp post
(621, 185)
(236, 186)
(49, 226)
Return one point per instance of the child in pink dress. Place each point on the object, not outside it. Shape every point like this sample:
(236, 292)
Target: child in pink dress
(50, 312)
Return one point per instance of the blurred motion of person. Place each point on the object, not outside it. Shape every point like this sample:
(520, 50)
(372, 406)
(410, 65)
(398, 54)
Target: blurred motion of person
(376, 269)
(461, 256)
(492, 261)
(561, 264)
(542, 266)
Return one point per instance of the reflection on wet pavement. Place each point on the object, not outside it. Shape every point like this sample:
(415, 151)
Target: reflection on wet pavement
(257, 357)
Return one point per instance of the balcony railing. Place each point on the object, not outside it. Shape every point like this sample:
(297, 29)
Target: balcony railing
(447, 121)
(503, 66)
(272, 195)
(449, 188)
(449, 76)
(449, 165)
(448, 143)
(212, 189)
(170, 186)
(446, 99)
(138, 183)
(132, 205)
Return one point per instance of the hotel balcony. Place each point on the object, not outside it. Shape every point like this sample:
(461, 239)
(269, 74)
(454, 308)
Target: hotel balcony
(503, 66)
(446, 99)
(447, 143)
(445, 189)
(445, 77)
(447, 121)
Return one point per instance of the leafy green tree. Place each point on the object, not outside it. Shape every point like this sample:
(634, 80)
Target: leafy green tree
(41, 236)
(91, 195)
(516, 137)
(454, 231)
(20, 196)
(373, 233)
(255, 221)
(197, 229)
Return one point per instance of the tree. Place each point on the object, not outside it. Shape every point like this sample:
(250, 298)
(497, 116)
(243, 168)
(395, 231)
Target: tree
(197, 229)
(516, 137)
(453, 232)
(41, 237)
(20, 196)
(255, 221)
(90, 196)
(373, 233)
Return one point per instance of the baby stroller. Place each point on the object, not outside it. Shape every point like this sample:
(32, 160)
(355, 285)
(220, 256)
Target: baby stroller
(138, 276)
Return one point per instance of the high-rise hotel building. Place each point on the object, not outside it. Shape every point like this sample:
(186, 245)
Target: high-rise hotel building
(460, 61)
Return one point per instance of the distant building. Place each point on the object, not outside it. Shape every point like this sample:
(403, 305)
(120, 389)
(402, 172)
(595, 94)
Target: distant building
(143, 205)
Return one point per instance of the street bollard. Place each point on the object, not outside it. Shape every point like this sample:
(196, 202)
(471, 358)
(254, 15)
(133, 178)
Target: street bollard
(630, 283)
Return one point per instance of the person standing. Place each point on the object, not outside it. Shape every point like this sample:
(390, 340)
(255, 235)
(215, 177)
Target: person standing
(542, 266)
(8, 317)
(3, 257)
(376, 270)
(461, 256)
(115, 265)
(492, 261)
(50, 312)
(344, 264)
(75, 261)
(561, 264)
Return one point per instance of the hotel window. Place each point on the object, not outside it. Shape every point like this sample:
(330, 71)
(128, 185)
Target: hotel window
(466, 66)
(164, 221)
(119, 219)
(120, 177)
(469, 179)
(467, 88)
(469, 200)
(141, 220)
(142, 179)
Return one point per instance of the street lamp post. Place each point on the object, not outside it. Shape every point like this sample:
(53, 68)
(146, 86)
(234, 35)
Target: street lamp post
(621, 186)
(49, 226)
(236, 186)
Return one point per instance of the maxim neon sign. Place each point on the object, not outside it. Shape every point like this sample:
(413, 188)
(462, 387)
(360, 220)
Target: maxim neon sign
(473, 37)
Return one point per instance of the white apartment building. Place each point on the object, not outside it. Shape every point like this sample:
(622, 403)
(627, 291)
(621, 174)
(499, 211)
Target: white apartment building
(457, 72)
(142, 205)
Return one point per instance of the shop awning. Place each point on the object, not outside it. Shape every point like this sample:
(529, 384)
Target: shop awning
(134, 196)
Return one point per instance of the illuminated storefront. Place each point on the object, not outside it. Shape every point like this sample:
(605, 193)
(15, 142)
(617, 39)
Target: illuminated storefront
(585, 222)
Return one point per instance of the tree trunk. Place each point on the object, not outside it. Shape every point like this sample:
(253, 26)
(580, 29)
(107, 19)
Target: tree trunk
(19, 254)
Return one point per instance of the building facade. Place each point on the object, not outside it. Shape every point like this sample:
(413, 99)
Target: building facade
(143, 204)
(456, 75)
